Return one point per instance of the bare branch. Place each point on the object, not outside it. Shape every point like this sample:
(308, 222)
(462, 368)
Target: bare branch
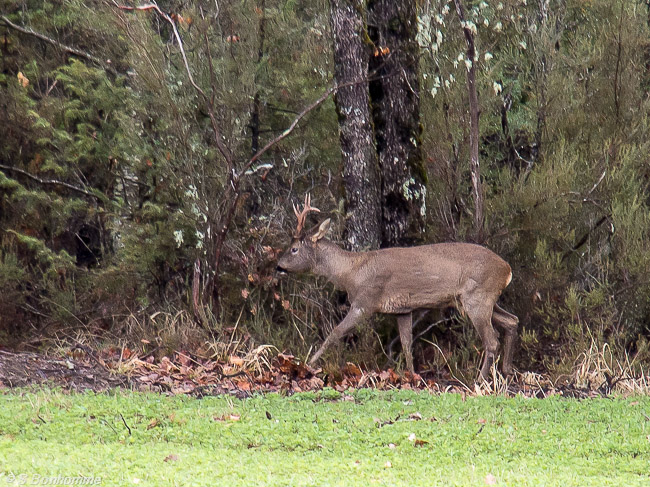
(474, 114)
(291, 127)
(69, 49)
(312, 106)
(50, 181)
(225, 152)
(153, 6)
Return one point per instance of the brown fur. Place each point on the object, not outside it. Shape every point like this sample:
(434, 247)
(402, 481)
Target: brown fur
(400, 280)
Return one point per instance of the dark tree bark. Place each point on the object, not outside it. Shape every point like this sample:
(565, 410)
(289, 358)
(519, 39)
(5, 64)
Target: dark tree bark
(257, 103)
(360, 169)
(474, 113)
(396, 115)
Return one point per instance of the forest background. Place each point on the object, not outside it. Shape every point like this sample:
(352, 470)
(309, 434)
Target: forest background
(149, 160)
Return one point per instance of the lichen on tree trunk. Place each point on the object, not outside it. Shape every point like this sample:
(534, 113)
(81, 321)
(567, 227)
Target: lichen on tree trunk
(474, 113)
(394, 93)
(360, 168)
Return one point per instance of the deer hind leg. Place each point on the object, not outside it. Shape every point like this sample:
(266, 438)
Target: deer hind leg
(479, 309)
(405, 325)
(354, 316)
(508, 323)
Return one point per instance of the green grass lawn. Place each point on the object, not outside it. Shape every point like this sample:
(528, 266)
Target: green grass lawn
(366, 438)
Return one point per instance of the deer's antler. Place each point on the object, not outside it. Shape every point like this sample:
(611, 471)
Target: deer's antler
(302, 215)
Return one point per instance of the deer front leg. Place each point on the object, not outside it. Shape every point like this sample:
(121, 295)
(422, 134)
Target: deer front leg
(354, 316)
(405, 325)
(479, 309)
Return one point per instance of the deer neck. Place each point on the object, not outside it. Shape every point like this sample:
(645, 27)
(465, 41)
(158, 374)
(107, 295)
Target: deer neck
(335, 264)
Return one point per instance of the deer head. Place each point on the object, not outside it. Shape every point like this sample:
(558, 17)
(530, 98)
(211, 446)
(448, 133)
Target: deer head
(300, 256)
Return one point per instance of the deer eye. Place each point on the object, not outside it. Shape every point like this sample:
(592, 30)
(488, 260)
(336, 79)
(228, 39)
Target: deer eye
(294, 250)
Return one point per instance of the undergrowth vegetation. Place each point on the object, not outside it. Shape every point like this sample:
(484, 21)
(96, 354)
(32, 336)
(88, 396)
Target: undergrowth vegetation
(118, 221)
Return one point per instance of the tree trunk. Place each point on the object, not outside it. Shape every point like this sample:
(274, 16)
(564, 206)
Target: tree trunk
(475, 168)
(257, 103)
(394, 92)
(360, 169)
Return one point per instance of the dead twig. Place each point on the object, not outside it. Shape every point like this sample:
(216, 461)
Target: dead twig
(127, 426)
(54, 182)
(225, 152)
(69, 49)
(91, 354)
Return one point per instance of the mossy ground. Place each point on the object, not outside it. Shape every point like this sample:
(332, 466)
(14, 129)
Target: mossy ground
(364, 438)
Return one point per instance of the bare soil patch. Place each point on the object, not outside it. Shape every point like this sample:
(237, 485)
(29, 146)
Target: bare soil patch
(22, 369)
(83, 369)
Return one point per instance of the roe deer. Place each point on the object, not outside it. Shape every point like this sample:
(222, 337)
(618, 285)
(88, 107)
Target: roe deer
(399, 280)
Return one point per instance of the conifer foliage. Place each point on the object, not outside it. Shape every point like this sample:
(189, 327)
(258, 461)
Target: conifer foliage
(150, 153)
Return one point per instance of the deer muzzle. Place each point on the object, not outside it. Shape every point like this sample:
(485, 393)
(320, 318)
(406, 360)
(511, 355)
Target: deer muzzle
(281, 270)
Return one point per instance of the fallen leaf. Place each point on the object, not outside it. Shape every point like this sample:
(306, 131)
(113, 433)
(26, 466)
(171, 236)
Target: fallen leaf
(184, 359)
(316, 383)
(481, 421)
(388, 464)
(166, 364)
(415, 379)
(230, 417)
(490, 479)
(23, 80)
(236, 361)
(154, 422)
(415, 416)
(243, 385)
(420, 443)
(379, 423)
(394, 376)
(171, 458)
(412, 437)
(352, 370)
(185, 388)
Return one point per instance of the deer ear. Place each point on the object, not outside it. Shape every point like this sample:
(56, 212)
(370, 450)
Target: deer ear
(322, 231)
